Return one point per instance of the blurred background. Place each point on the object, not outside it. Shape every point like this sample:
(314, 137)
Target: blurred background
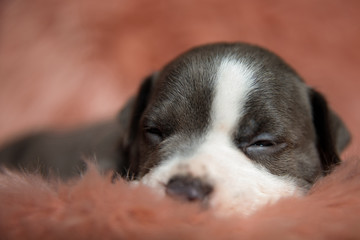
(70, 62)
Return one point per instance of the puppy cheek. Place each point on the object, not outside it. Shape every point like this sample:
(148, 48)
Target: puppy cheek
(245, 201)
(241, 186)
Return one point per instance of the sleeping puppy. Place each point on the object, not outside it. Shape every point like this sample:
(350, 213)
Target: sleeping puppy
(231, 126)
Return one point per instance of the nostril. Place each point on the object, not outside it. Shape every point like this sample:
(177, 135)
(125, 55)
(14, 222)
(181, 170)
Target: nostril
(188, 188)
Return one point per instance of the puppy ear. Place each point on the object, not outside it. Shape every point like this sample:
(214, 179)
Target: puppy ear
(332, 134)
(129, 118)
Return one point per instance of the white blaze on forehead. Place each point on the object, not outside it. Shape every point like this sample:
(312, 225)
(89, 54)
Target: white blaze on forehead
(233, 83)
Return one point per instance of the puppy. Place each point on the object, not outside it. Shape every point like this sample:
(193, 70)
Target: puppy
(230, 126)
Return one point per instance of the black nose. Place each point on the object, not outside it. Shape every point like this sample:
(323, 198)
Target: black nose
(188, 188)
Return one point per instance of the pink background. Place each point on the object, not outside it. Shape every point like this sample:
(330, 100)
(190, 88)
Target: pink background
(70, 62)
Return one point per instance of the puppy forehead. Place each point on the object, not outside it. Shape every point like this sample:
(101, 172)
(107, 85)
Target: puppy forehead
(198, 69)
(233, 83)
(215, 81)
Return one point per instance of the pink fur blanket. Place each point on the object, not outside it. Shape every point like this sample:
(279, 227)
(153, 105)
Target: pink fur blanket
(95, 208)
(51, 51)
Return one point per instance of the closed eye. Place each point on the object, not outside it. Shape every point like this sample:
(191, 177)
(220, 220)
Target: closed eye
(264, 144)
(153, 134)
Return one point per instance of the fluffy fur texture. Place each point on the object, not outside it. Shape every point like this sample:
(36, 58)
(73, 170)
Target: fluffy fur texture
(95, 208)
(56, 49)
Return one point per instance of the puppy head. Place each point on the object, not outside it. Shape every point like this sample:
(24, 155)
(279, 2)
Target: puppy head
(231, 126)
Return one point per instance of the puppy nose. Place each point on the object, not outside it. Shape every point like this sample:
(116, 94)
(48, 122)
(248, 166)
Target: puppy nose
(188, 188)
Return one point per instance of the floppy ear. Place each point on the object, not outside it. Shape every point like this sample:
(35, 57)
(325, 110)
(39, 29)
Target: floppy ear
(129, 118)
(331, 133)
